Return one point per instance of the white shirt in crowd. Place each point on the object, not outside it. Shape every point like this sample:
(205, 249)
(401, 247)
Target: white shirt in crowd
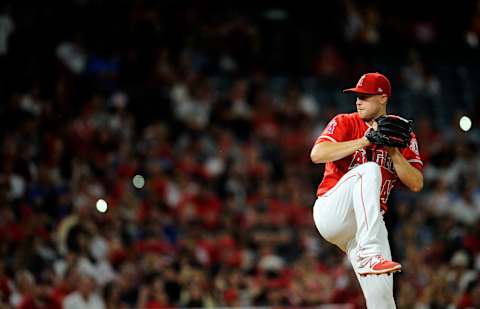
(76, 301)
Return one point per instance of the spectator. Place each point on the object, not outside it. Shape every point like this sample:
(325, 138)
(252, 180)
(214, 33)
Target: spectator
(85, 296)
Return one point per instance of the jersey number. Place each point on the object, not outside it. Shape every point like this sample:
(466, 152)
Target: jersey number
(386, 189)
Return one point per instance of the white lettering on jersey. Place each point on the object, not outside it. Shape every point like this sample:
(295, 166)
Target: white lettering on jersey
(358, 157)
(379, 156)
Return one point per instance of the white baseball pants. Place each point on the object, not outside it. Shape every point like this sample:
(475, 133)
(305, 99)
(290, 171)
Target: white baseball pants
(349, 216)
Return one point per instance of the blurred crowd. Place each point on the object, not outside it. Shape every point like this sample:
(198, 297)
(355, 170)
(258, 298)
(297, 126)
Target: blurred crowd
(214, 113)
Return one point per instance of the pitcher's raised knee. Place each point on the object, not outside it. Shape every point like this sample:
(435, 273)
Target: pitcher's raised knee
(370, 169)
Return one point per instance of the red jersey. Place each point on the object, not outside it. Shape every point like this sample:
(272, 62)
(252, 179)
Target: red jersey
(346, 127)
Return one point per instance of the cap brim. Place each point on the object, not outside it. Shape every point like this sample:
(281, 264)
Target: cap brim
(357, 90)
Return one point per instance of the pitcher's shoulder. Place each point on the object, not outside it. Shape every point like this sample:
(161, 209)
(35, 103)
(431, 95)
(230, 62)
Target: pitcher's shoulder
(347, 116)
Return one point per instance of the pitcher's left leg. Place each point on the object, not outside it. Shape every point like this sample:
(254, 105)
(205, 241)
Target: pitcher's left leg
(366, 203)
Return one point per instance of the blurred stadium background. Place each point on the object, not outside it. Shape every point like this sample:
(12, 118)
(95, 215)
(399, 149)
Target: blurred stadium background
(156, 153)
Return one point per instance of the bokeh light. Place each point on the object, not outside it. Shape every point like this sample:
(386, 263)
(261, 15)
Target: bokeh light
(138, 181)
(102, 206)
(465, 123)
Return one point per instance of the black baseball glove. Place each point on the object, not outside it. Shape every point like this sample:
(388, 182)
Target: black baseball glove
(392, 131)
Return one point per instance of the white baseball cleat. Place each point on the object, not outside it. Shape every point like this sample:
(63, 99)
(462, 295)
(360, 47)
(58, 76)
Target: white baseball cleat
(377, 265)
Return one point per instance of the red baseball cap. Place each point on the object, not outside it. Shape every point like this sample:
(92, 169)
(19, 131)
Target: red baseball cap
(372, 83)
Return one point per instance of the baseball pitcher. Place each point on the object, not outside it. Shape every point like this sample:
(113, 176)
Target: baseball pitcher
(366, 153)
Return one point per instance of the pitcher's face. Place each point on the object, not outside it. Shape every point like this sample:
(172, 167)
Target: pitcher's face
(369, 106)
